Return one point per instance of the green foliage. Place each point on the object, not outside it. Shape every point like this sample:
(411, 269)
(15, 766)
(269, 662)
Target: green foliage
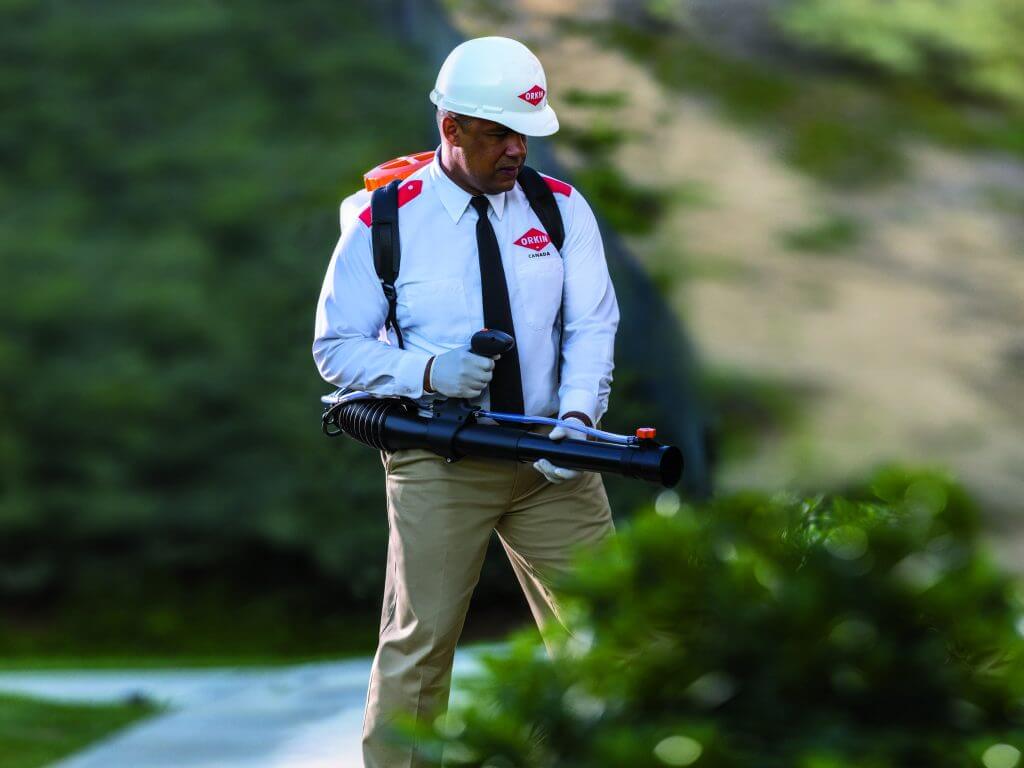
(594, 99)
(970, 45)
(749, 408)
(172, 172)
(595, 142)
(35, 733)
(861, 630)
(629, 208)
(842, 126)
(831, 234)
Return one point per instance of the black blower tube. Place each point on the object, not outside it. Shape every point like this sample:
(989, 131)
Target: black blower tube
(389, 425)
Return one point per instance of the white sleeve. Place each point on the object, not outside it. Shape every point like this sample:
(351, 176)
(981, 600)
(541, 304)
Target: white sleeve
(350, 208)
(591, 316)
(351, 311)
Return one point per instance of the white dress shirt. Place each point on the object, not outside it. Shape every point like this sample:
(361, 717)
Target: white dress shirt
(439, 296)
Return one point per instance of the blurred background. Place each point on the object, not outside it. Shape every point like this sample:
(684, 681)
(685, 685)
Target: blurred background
(815, 210)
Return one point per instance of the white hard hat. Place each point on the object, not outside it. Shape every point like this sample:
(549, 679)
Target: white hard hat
(498, 79)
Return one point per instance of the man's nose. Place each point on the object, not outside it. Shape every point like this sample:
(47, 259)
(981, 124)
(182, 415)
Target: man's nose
(516, 146)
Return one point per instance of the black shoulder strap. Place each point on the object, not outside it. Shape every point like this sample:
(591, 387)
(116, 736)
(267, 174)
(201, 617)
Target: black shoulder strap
(387, 248)
(543, 202)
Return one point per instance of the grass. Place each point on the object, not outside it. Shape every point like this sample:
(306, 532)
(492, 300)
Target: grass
(216, 650)
(35, 733)
(213, 647)
(211, 623)
(143, 661)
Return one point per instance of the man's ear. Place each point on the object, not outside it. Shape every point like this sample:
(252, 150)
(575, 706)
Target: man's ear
(451, 131)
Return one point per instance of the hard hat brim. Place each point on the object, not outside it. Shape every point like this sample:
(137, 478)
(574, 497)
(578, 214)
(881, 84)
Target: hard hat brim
(543, 122)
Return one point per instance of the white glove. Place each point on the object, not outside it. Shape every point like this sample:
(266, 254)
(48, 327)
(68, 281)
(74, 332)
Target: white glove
(460, 373)
(552, 473)
(559, 432)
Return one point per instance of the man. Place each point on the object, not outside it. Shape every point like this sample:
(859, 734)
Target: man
(474, 255)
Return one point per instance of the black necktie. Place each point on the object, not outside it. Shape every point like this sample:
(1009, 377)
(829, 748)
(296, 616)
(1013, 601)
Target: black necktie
(507, 384)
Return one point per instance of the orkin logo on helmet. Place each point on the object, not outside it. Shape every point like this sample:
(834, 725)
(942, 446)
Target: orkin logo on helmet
(534, 240)
(534, 96)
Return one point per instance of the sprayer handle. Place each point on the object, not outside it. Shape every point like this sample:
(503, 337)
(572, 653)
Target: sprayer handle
(490, 342)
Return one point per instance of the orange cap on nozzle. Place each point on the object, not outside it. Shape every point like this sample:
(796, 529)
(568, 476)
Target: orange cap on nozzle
(646, 433)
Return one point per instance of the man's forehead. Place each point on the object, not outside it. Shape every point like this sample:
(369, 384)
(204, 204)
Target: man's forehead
(484, 124)
(488, 125)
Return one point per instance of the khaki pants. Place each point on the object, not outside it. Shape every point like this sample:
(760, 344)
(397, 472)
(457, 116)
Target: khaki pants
(440, 518)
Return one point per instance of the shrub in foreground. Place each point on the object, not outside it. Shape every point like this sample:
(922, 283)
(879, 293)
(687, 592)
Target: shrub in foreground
(867, 630)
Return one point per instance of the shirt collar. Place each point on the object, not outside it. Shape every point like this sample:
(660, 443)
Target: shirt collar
(453, 197)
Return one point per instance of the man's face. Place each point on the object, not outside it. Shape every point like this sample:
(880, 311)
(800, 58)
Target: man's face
(491, 154)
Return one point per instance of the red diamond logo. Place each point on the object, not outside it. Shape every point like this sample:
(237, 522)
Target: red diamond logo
(534, 240)
(534, 96)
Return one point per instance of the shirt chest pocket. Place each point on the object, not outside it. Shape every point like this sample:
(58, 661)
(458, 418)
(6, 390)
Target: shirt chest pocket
(435, 309)
(540, 289)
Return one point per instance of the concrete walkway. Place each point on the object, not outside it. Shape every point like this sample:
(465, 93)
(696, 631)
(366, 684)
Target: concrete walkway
(308, 716)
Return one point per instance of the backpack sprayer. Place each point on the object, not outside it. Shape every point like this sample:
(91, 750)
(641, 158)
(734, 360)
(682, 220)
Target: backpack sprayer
(451, 430)
(450, 427)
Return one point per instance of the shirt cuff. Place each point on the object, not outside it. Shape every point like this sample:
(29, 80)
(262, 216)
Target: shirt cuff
(409, 373)
(579, 400)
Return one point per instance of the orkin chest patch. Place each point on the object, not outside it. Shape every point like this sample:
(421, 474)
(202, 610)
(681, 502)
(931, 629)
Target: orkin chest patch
(534, 96)
(534, 239)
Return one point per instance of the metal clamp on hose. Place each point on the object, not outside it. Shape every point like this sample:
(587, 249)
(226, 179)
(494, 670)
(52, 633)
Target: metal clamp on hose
(449, 417)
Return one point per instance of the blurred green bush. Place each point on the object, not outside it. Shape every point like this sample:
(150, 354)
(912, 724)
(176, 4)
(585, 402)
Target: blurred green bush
(868, 629)
(170, 188)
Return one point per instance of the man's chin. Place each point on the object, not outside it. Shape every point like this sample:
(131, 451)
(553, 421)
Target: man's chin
(503, 182)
